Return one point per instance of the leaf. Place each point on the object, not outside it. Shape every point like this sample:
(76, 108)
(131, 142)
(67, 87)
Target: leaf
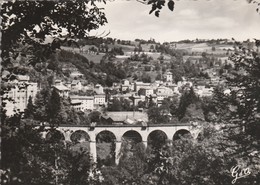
(150, 2)
(153, 8)
(157, 13)
(171, 5)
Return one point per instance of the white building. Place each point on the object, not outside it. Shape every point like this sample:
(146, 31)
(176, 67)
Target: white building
(139, 85)
(82, 103)
(19, 95)
(169, 77)
(126, 85)
(164, 90)
(202, 91)
(99, 89)
(100, 99)
(76, 74)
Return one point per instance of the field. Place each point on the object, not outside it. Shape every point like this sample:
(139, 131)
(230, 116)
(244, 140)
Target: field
(204, 47)
(91, 57)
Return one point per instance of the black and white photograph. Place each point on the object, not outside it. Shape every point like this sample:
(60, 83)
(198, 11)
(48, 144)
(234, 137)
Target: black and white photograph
(130, 92)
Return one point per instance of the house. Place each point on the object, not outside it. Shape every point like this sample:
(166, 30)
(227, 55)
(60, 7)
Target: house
(203, 91)
(77, 105)
(68, 67)
(76, 85)
(126, 86)
(19, 94)
(76, 74)
(169, 76)
(184, 84)
(164, 90)
(99, 89)
(82, 103)
(147, 91)
(139, 85)
(136, 100)
(62, 90)
(100, 99)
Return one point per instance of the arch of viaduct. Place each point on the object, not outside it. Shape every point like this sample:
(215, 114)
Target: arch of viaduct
(120, 130)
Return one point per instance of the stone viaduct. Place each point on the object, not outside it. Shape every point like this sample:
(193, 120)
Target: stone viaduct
(170, 131)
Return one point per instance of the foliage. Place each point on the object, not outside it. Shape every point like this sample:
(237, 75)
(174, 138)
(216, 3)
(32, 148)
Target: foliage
(94, 116)
(131, 168)
(29, 111)
(158, 5)
(50, 19)
(158, 115)
(120, 104)
(54, 108)
(187, 98)
(28, 158)
(239, 109)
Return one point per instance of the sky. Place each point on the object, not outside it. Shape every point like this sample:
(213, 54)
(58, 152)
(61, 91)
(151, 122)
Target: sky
(191, 19)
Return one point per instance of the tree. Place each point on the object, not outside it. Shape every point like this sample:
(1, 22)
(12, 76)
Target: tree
(54, 108)
(187, 98)
(193, 112)
(94, 116)
(188, 161)
(41, 101)
(158, 115)
(18, 27)
(29, 111)
(131, 169)
(25, 157)
(146, 78)
(115, 105)
(239, 110)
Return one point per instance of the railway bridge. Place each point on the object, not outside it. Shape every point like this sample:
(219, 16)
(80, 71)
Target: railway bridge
(143, 132)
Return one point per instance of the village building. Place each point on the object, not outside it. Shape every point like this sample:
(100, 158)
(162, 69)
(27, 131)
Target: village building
(126, 86)
(139, 85)
(76, 74)
(203, 91)
(100, 99)
(19, 95)
(136, 99)
(76, 85)
(68, 67)
(82, 103)
(147, 91)
(169, 77)
(62, 90)
(99, 89)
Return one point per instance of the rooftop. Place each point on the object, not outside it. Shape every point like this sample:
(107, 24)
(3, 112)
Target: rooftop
(76, 97)
(61, 87)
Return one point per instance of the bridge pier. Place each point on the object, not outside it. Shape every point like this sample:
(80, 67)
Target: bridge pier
(117, 152)
(93, 150)
(145, 143)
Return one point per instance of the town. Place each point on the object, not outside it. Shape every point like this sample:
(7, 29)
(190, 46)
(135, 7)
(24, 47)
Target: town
(146, 92)
(153, 74)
